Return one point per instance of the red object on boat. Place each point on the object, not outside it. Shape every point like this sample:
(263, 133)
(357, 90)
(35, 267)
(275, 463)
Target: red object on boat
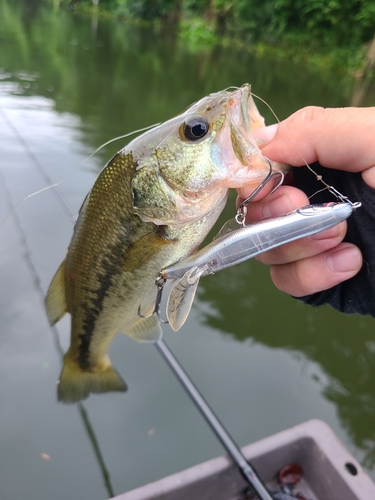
(290, 474)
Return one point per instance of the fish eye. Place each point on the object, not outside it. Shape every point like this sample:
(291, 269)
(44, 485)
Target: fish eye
(194, 128)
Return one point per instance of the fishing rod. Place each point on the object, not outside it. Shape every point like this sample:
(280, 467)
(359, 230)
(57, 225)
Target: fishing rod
(27, 254)
(223, 435)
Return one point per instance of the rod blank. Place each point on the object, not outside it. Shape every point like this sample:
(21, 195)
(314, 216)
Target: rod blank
(228, 442)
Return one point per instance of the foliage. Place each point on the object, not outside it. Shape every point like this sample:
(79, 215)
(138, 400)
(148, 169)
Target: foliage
(147, 9)
(323, 26)
(197, 32)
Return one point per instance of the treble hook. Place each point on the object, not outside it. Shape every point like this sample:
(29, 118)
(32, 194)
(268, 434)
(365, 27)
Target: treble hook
(159, 282)
(242, 209)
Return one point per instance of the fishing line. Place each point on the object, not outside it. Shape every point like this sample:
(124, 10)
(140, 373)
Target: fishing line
(27, 256)
(50, 185)
(268, 106)
(59, 197)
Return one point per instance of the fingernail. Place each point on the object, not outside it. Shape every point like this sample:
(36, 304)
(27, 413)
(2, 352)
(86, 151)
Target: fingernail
(266, 133)
(277, 206)
(344, 260)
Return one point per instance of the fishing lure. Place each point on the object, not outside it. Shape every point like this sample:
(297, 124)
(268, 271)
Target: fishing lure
(234, 244)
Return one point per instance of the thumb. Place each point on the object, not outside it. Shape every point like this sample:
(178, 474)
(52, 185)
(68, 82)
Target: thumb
(339, 138)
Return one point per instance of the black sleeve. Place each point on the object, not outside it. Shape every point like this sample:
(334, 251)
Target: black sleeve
(356, 295)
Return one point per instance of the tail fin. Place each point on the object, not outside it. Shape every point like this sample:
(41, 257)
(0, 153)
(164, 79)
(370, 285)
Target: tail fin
(76, 384)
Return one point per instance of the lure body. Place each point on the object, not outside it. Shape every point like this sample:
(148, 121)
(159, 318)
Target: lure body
(242, 244)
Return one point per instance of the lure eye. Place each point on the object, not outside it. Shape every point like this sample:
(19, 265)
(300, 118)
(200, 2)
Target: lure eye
(194, 129)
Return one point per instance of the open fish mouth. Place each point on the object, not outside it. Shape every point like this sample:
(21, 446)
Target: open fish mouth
(248, 165)
(244, 105)
(242, 123)
(243, 111)
(239, 151)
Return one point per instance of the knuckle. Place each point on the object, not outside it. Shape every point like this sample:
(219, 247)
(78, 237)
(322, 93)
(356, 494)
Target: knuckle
(304, 278)
(309, 114)
(293, 279)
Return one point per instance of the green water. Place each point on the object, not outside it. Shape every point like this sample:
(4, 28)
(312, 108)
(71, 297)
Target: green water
(264, 361)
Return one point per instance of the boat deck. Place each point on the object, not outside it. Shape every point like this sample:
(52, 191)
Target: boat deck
(330, 472)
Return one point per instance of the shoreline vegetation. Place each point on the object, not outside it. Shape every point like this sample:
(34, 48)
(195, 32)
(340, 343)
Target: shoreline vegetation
(334, 34)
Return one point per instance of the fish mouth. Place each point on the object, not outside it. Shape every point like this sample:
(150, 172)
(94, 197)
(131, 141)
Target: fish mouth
(245, 95)
(239, 153)
(242, 122)
(239, 149)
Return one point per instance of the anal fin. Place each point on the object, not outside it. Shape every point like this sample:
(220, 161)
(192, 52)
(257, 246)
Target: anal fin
(146, 329)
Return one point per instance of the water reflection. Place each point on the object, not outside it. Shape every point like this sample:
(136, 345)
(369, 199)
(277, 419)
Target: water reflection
(69, 83)
(342, 345)
(141, 73)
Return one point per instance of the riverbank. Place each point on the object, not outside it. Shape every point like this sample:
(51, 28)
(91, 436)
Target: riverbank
(319, 49)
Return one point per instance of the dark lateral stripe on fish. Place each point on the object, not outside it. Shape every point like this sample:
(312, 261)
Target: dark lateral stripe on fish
(135, 255)
(111, 269)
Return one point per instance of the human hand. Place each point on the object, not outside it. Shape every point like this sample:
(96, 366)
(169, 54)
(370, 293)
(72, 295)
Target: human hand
(340, 139)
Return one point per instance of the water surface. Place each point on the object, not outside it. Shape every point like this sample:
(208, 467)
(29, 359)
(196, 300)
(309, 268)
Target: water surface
(264, 361)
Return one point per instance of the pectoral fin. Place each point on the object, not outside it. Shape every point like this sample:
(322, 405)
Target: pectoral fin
(55, 302)
(229, 226)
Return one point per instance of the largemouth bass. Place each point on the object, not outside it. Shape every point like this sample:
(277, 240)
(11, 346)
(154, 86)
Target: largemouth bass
(151, 206)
